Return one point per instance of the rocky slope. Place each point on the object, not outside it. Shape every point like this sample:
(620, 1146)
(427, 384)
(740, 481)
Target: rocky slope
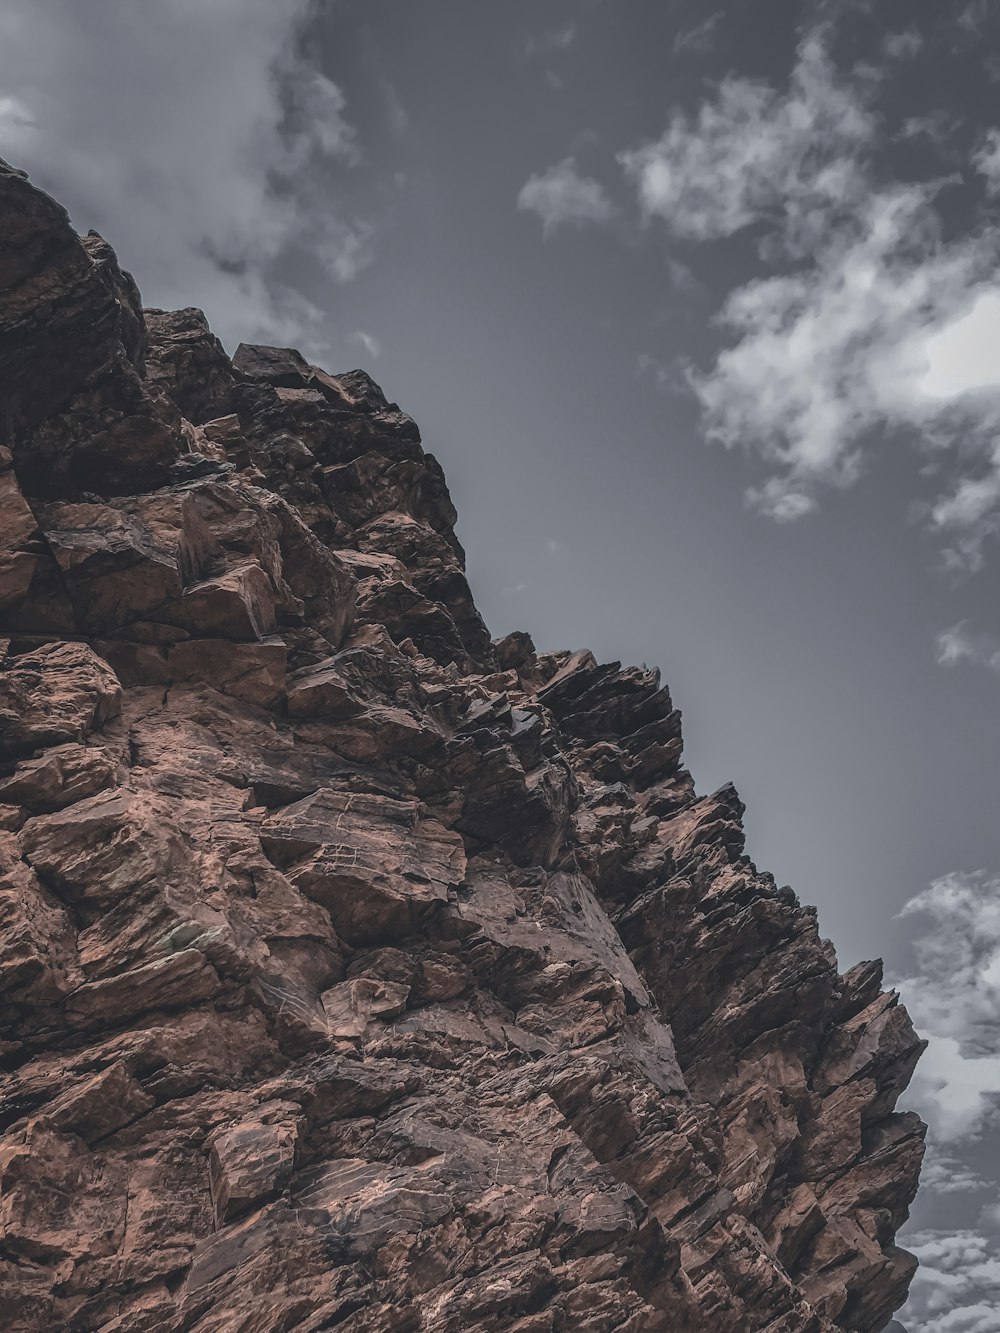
(357, 971)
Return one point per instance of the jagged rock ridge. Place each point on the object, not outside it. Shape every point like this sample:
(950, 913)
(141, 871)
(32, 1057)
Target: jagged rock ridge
(357, 971)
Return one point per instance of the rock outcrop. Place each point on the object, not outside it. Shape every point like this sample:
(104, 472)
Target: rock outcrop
(357, 971)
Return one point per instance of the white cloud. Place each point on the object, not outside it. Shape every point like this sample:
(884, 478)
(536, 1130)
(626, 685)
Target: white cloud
(943, 1173)
(960, 356)
(776, 500)
(957, 645)
(371, 345)
(953, 996)
(699, 38)
(316, 118)
(561, 197)
(345, 248)
(16, 121)
(970, 514)
(876, 322)
(751, 153)
(208, 160)
(903, 45)
(957, 1286)
(938, 126)
(986, 160)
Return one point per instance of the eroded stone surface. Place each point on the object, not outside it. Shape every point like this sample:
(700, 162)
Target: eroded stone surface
(356, 971)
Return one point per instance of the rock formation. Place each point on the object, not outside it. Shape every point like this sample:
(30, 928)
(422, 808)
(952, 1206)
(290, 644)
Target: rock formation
(359, 972)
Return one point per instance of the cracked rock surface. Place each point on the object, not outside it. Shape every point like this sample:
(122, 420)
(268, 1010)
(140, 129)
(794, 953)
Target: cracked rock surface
(358, 971)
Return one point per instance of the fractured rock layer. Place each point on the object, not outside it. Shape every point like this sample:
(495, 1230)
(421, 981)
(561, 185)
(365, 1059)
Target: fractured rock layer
(357, 971)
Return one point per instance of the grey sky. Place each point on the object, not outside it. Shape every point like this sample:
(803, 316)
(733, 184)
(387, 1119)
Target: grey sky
(697, 308)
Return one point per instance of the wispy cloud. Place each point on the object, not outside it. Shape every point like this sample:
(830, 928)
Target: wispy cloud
(957, 645)
(974, 17)
(903, 45)
(866, 320)
(943, 1173)
(700, 38)
(986, 160)
(396, 114)
(202, 185)
(562, 197)
(669, 378)
(371, 345)
(551, 41)
(953, 994)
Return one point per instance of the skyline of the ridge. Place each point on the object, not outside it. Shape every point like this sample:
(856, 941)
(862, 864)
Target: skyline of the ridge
(696, 309)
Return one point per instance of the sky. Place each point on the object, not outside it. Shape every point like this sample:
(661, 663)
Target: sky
(699, 309)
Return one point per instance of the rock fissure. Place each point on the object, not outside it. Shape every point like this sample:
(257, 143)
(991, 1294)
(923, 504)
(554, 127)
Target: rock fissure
(356, 970)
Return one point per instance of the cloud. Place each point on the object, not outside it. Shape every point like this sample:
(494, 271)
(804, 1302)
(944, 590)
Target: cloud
(938, 126)
(974, 17)
(700, 38)
(957, 1286)
(371, 345)
(314, 117)
(867, 320)
(551, 42)
(668, 378)
(969, 515)
(562, 197)
(986, 160)
(396, 114)
(344, 248)
(683, 278)
(903, 45)
(209, 160)
(776, 500)
(953, 995)
(943, 1173)
(751, 153)
(956, 645)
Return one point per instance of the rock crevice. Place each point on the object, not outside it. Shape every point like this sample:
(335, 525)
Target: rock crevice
(358, 971)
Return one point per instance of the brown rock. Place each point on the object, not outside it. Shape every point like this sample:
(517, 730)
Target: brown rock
(186, 361)
(254, 672)
(60, 692)
(352, 1005)
(176, 981)
(379, 865)
(356, 971)
(60, 776)
(249, 1163)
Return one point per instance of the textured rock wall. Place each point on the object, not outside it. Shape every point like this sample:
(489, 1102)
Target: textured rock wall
(357, 971)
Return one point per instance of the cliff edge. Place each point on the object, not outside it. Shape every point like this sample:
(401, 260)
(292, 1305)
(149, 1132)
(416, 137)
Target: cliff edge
(358, 971)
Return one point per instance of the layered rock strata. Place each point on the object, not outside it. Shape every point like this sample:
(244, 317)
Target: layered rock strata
(357, 971)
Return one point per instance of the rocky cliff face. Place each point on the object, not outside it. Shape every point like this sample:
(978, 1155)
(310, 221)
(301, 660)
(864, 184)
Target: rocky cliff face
(357, 971)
